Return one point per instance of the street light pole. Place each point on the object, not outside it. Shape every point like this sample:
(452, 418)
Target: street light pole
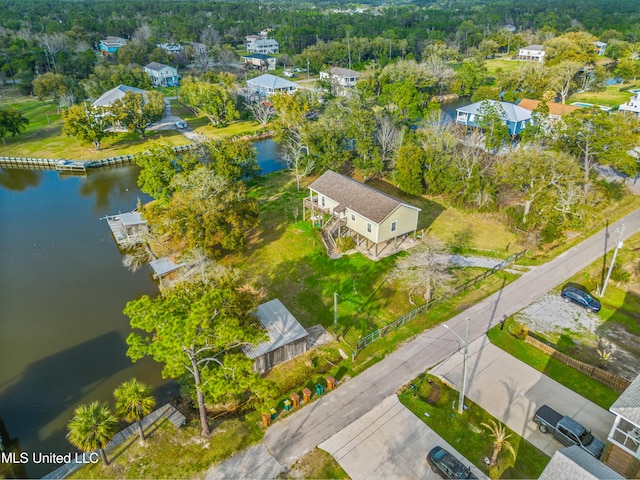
(465, 343)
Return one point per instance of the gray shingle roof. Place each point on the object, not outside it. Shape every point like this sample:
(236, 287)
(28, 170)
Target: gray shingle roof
(573, 463)
(282, 327)
(271, 81)
(357, 197)
(156, 66)
(344, 72)
(628, 404)
(512, 112)
(110, 96)
(534, 47)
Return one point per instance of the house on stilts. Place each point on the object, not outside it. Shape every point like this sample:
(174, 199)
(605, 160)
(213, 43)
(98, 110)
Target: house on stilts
(342, 206)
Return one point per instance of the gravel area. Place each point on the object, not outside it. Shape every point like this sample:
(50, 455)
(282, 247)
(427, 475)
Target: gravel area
(553, 315)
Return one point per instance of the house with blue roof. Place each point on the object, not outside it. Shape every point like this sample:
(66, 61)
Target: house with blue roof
(516, 118)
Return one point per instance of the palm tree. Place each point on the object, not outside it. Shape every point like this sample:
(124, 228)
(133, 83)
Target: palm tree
(92, 427)
(500, 440)
(134, 402)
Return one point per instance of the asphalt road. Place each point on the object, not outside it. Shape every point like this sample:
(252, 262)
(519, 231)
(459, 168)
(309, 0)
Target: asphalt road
(298, 433)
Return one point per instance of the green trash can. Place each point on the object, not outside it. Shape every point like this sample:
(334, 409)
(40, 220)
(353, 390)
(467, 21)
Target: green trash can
(274, 414)
(287, 405)
(319, 389)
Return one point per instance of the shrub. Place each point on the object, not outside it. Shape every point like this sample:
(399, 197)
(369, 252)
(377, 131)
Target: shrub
(345, 244)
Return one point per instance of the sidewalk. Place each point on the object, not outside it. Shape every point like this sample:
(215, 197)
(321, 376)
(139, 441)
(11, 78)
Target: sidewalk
(388, 442)
(511, 391)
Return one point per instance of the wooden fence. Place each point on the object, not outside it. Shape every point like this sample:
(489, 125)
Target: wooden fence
(167, 411)
(381, 332)
(612, 381)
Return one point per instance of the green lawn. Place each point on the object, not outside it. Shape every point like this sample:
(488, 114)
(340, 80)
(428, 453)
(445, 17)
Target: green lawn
(612, 96)
(578, 382)
(466, 434)
(177, 452)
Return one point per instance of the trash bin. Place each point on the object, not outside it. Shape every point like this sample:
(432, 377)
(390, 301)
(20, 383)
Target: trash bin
(287, 405)
(319, 389)
(274, 414)
(331, 383)
(266, 419)
(306, 394)
(295, 398)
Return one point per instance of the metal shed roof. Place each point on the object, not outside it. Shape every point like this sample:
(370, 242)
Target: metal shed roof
(131, 218)
(282, 327)
(271, 81)
(164, 265)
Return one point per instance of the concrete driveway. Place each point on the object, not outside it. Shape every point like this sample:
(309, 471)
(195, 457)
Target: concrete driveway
(388, 442)
(512, 391)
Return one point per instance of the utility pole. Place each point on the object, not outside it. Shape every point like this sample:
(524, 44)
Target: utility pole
(613, 260)
(335, 313)
(465, 343)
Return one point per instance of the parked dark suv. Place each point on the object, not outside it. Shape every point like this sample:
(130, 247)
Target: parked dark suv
(572, 294)
(447, 466)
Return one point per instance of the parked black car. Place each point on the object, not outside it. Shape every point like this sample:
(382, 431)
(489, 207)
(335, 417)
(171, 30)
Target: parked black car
(448, 466)
(572, 294)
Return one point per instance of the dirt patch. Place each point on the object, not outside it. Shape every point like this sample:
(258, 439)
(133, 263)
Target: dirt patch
(581, 334)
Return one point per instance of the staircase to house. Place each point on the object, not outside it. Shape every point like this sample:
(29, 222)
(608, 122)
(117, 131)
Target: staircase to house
(326, 234)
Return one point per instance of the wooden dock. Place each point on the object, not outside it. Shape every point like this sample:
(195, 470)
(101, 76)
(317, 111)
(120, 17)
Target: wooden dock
(128, 229)
(74, 166)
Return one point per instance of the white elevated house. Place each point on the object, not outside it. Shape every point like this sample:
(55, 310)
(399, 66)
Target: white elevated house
(601, 47)
(633, 105)
(266, 46)
(622, 449)
(287, 338)
(533, 53)
(342, 79)
(264, 86)
(162, 75)
(375, 220)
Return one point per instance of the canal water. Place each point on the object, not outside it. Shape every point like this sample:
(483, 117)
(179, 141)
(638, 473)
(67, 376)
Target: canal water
(62, 292)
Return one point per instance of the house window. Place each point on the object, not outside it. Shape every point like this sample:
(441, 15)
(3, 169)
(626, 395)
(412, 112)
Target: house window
(353, 217)
(322, 200)
(394, 226)
(472, 117)
(368, 227)
(523, 124)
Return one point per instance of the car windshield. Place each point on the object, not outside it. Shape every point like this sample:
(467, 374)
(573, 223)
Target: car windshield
(586, 437)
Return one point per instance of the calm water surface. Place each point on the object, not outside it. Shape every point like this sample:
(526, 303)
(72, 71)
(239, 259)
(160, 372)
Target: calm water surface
(62, 292)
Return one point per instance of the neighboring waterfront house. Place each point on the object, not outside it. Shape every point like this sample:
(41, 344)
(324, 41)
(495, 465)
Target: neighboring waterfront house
(266, 46)
(532, 53)
(633, 105)
(574, 463)
(162, 75)
(111, 44)
(259, 61)
(516, 118)
(372, 217)
(199, 48)
(287, 338)
(109, 97)
(250, 41)
(622, 449)
(601, 47)
(264, 86)
(173, 48)
(342, 79)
